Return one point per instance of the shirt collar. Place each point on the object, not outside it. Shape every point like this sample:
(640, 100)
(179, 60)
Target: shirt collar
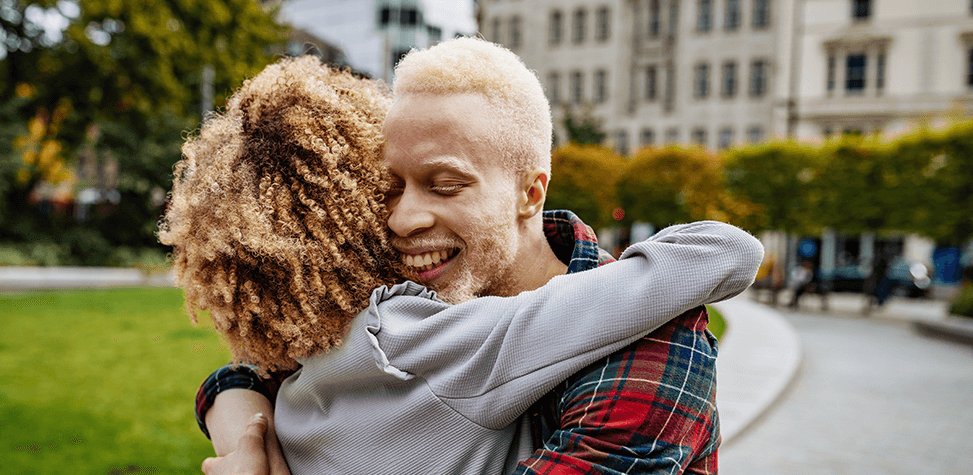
(573, 242)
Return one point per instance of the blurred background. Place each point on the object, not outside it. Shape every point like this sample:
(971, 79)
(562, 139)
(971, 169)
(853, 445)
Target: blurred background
(838, 131)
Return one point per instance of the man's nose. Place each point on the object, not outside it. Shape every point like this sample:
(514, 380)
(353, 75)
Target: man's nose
(409, 215)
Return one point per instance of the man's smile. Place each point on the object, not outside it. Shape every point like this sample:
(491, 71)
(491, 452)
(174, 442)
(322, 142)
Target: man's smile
(428, 264)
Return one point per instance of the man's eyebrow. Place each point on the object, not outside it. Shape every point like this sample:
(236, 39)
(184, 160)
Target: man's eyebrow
(449, 163)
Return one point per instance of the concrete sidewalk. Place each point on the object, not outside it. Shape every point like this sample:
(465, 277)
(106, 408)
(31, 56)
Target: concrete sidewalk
(48, 278)
(760, 354)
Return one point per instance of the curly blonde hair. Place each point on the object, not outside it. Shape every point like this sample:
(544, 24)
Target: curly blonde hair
(276, 216)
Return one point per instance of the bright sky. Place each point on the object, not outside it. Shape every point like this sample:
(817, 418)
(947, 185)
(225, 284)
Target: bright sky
(447, 12)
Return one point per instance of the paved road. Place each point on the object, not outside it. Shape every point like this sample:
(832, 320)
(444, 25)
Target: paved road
(872, 396)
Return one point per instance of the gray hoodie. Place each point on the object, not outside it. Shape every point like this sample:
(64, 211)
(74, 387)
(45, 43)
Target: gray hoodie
(421, 386)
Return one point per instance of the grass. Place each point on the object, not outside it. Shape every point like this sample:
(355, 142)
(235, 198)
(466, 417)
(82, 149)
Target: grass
(102, 382)
(717, 325)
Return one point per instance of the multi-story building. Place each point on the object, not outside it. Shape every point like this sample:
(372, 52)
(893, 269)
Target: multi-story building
(656, 71)
(882, 65)
(374, 34)
(725, 72)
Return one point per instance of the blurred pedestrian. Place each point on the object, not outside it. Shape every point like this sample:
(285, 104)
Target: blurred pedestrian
(801, 281)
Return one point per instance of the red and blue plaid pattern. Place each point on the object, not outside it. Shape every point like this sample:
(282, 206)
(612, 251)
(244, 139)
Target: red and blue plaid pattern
(649, 408)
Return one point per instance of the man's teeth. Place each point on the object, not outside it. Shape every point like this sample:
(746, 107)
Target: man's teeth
(425, 261)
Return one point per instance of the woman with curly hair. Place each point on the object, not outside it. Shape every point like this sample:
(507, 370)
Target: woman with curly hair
(277, 225)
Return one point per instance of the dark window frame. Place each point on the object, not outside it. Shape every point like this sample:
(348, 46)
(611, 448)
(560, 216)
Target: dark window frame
(856, 73)
(704, 16)
(732, 15)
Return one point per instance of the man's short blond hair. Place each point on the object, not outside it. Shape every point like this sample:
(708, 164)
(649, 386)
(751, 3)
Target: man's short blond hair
(472, 65)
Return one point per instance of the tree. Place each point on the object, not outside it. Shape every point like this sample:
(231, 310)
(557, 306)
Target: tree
(128, 76)
(776, 178)
(583, 180)
(676, 185)
(855, 196)
(946, 200)
(585, 129)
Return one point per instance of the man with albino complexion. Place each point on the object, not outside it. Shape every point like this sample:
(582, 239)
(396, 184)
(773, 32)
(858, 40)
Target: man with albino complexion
(468, 146)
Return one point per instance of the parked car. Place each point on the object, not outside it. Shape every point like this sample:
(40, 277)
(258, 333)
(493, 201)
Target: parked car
(909, 279)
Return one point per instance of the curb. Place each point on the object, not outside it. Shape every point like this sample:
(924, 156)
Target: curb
(56, 278)
(760, 355)
(958, 329)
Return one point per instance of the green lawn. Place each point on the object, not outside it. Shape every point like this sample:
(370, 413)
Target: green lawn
(102, 382)
(717, 325)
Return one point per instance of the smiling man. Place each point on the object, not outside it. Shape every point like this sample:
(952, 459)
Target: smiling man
(468, 145)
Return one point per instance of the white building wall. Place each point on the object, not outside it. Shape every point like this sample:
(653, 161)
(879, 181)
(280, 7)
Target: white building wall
(926, 50)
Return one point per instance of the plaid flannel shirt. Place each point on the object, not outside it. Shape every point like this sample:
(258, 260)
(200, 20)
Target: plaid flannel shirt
(648, 408)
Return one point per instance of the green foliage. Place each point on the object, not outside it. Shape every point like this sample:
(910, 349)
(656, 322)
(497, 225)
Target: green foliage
(583, 180)
(583, 129)
(125, 79)
(962, 304)
(101, 381)
(675, 185)
(947, 199)
(777, 179)
(855, 196)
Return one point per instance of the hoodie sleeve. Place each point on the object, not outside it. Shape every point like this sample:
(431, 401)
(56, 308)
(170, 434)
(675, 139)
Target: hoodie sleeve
(492, 357)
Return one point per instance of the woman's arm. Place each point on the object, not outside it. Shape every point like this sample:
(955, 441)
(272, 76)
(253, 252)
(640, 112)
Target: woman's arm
(492, 357)
(229, 418)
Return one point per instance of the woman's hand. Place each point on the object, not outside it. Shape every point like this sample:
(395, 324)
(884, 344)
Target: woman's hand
(250, 455)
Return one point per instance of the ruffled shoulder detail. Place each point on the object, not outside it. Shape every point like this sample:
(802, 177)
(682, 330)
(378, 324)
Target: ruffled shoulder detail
(374, 319)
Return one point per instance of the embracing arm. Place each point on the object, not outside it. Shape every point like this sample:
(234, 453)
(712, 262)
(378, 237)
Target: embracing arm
(492, 357)
(228, 399)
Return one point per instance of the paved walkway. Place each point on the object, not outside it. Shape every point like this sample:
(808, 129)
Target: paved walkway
(759, 355)
(873, 396)
(43, 278)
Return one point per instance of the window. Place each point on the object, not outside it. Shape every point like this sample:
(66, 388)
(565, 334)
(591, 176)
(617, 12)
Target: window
(495, 30)
(556, 28)
(515, 37)
(701, 81)
(673, 24)
(704, 15)
(554, 87)
(755, 134)
(602, 24)
(969, 68)
(855, 73)
(385, 16)
(725, 140)
(601, 86)
(409, 17)
(861, 9)
(647, 138)
(652, 77)
(698, 137)
(832, 62)
(435, 33)
(577, 29)
(761, 13)
(729, 83)
(672, 135)
(577, 88)
(731, 18)
(758, 78)
(670, 91)
(621, 142)
(654, 21)
(880, 72)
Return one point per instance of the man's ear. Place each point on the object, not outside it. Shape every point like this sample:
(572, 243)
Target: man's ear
(533, 193)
